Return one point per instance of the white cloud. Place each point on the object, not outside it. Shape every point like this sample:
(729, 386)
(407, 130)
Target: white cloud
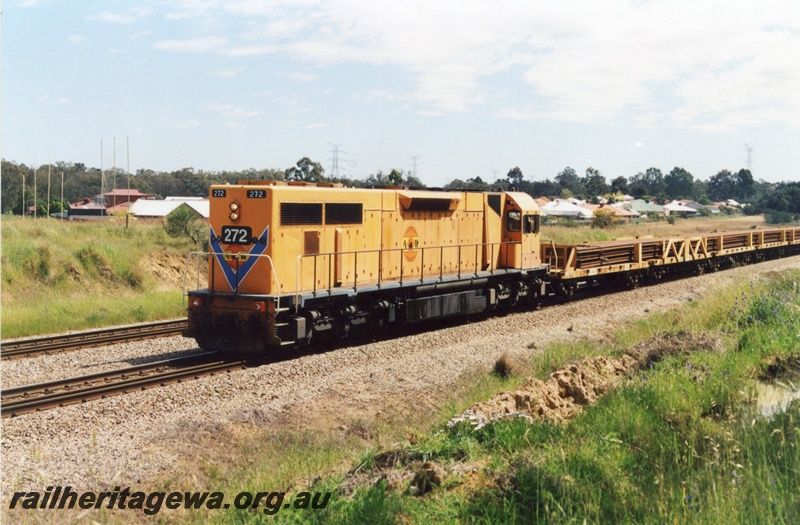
(230, 112)
(703, 65)
(129, 17)
(228, 73)
(76, 39)
(197, 45)
(301, 76)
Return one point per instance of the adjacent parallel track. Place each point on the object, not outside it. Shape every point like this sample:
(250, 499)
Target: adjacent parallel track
(60, 343)
(42, 396)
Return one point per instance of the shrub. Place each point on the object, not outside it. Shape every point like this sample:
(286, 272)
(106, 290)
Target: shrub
(778, 217)
(184, 222)
(603, 218)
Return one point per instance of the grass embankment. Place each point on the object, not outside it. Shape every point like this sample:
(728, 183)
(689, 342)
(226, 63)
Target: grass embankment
(60, 276)
(680, 441)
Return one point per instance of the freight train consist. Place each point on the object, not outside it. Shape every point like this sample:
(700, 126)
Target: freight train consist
(294, 263)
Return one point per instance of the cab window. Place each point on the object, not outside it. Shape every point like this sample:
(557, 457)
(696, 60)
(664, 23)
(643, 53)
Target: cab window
(513, 221)
(531, 224)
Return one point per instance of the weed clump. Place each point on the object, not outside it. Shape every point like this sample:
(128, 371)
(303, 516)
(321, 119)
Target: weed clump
(662, 345)
(504, 366)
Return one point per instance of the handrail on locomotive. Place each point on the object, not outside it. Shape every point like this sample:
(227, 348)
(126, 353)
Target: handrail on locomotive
(401, 252)
(236, 257)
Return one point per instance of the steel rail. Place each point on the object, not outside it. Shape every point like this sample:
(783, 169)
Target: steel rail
(42, 396)
(105, 336)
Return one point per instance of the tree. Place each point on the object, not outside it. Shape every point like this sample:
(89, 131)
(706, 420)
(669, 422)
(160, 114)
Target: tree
(477, 183)
(679, 184)
(595, 183)
(785, 198)
(745, 185)
(654, 180)
(637, 186)
(515, 177)
(306, 171)
(699, 191)
(185, 222)
(619, 185)
(11, 183)
(570, 181)
(545, 188)
(727, 185)
(395, 178)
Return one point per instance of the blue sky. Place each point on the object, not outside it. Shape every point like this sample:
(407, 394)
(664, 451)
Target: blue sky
(471, 89)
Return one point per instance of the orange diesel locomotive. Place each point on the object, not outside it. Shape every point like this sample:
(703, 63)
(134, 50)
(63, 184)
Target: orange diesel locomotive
(291, 263)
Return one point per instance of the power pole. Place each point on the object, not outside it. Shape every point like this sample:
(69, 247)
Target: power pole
(49, 165)
(414, 164)
(749, 157)
(102, 181)
(335, 160)
(128, 154)
(114, 173)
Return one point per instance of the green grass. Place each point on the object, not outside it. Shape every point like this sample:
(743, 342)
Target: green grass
(62, 314)
(60, 276)
(679, 443)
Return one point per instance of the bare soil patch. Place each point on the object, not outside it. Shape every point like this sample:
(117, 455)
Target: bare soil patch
(568, 389)
(167, 270)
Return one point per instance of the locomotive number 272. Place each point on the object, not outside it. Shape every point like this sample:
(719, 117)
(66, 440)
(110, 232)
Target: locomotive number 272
(236, 235)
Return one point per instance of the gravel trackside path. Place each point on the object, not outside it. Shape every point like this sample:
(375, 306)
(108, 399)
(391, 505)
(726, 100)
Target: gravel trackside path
(131, 439)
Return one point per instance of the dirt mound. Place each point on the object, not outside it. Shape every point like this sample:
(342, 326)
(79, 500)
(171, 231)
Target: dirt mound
(560, 397)
(657, 347)
(568, 389)
(167, 270)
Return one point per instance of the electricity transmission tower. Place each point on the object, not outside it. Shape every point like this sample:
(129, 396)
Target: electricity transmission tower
(749, 157)
(414, 168)
(335, 160)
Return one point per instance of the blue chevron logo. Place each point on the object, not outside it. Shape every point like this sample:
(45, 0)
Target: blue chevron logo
(231, 276)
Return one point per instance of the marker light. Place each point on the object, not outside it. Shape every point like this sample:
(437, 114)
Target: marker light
(234, 206)
(234, 216)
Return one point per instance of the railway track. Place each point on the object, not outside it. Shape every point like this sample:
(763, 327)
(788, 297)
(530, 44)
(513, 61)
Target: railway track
(43, 396)
(61, 343)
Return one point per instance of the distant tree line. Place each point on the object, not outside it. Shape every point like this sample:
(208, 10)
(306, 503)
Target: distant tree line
(779, 201)
(82, 182)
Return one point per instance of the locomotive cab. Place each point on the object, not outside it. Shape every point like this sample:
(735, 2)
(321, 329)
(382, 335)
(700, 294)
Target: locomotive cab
(521, 221)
